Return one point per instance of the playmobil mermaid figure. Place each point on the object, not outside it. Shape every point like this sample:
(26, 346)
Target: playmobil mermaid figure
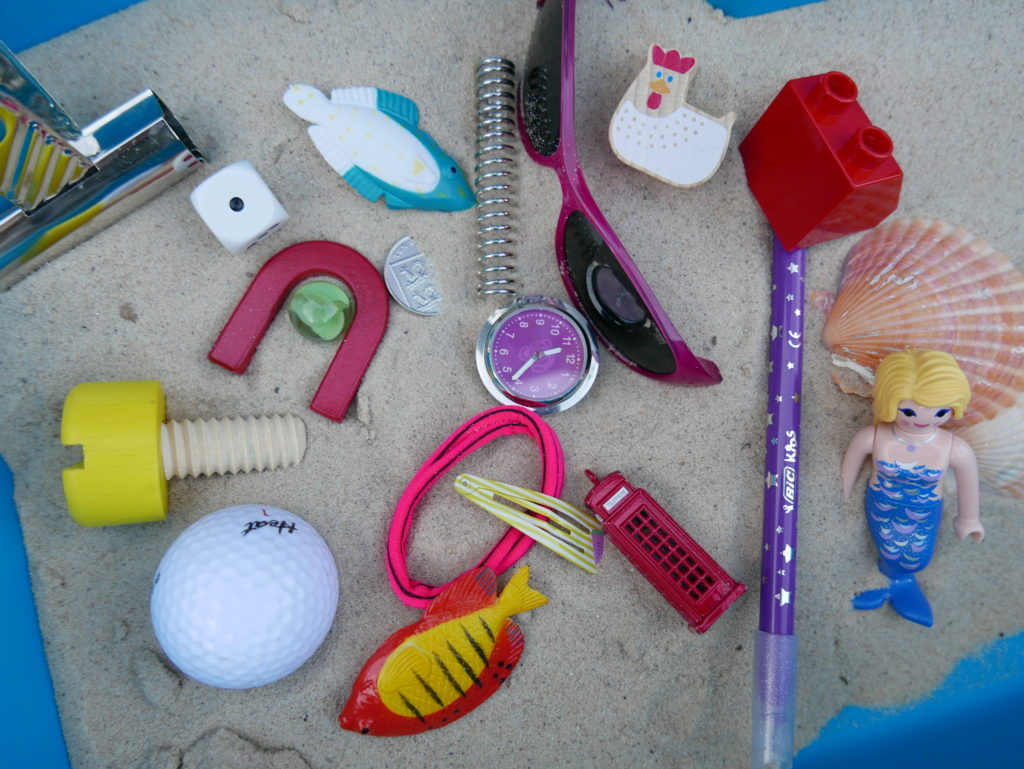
(915, 393)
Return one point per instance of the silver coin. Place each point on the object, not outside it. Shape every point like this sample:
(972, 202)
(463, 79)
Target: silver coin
(409, 278)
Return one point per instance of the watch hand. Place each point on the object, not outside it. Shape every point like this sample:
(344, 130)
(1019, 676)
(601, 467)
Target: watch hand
(522, 369)
(552, 351)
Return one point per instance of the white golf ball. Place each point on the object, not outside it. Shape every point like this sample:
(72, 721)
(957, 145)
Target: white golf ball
(244, 596)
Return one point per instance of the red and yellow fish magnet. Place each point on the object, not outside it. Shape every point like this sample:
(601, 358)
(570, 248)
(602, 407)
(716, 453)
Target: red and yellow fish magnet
(436, 670)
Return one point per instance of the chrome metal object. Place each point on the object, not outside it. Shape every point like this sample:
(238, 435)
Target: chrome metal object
(495, 176)
(128, 156)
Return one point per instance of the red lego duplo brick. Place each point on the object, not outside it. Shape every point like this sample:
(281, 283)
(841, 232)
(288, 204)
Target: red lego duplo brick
(817, 166)
(660, 549)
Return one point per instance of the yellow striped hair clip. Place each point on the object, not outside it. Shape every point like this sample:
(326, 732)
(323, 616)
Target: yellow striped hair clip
(567, 530)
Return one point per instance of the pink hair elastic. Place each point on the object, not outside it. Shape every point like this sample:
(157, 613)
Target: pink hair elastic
(474, 434)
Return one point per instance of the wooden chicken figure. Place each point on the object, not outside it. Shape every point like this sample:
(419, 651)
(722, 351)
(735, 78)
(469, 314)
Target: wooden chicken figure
(655, 131)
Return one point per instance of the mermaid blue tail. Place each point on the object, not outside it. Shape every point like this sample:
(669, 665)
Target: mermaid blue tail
(903, 512)
(903, 593)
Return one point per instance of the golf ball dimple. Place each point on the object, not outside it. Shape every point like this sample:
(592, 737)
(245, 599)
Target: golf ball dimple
(244, 596)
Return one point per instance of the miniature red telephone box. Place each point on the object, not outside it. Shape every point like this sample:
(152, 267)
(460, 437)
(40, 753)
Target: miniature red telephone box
(661, 550)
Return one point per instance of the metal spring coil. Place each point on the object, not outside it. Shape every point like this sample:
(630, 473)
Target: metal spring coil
(495, 175)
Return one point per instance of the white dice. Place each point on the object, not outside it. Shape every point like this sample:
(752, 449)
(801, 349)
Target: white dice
(238, 206)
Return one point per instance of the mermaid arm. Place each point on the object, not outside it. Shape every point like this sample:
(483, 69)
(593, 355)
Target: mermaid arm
(858, 450)
(965, 466)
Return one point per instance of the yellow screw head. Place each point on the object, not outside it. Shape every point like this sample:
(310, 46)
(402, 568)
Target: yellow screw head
(120, 478)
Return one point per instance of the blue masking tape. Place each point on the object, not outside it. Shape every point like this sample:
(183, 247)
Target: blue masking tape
(23, 24)
(32, 733)
(972, 719)
(742, 8)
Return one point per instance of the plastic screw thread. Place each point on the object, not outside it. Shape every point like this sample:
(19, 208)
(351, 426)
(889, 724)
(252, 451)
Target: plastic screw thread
(234, 445)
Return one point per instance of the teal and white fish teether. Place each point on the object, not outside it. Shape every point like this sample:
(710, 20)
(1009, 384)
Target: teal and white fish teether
(371, 137)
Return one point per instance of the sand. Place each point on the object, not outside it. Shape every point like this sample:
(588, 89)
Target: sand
(610, 676)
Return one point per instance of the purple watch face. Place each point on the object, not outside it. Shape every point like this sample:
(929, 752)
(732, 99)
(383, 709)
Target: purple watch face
(538, 354)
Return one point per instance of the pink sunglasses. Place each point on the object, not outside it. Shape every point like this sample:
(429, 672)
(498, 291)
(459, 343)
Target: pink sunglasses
(599, 275)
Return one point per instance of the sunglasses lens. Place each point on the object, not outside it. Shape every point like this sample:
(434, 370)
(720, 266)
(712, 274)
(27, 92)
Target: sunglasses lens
(542, 80)
(610, 301)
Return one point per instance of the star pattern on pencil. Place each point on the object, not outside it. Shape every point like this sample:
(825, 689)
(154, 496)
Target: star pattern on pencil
(794, 268)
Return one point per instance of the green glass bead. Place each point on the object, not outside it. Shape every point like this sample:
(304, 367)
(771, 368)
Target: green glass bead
(320, 310)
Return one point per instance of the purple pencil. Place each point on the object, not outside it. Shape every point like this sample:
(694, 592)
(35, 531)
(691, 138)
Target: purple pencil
(819, 170)
(775, 647)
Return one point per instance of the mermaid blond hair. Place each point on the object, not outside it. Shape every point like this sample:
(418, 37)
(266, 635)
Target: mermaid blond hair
(929, 377)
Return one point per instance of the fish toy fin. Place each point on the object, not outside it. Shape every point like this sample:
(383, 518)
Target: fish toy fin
(518, 596)
(399, 107)
(307, 102)
(406, 659)
(357, 96)
(408, 669)
(396, 202)
(393, 105)
(363, 183)
(474, 590)
(369, 187)
(328, 147)
(511, 643)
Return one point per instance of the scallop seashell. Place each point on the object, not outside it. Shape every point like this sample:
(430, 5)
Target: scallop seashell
(998, 444)
(917, 283)
(925, 284)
